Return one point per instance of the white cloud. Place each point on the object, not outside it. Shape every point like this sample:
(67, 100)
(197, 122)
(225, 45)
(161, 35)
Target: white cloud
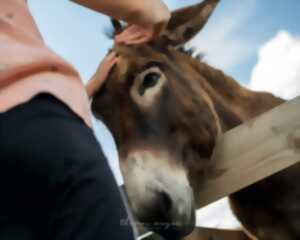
(217, 215)
(221, 41)
(278, 67)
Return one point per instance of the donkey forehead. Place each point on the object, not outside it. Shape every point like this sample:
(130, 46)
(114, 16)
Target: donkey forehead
(178, 67)
(136, 59)
(139, 53)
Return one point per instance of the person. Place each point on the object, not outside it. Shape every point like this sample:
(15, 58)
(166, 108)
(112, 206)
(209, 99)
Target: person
(55, 182)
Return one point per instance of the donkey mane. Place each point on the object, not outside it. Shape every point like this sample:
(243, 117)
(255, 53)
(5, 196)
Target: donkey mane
(232, 102)
(192, 52)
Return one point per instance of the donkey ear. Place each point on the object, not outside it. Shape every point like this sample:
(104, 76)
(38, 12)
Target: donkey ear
(185, 23)
(117, 25)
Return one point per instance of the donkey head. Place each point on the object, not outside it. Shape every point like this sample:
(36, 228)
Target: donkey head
(163, 122)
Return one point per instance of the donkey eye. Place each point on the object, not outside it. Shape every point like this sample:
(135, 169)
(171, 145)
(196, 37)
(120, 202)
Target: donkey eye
(151, 79)
(148, 86)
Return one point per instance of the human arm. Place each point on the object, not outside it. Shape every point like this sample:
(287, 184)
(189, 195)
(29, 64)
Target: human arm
(139, 12)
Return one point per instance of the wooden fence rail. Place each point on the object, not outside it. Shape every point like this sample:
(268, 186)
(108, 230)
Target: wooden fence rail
(216, 234)
(209, 234)
(253, 151)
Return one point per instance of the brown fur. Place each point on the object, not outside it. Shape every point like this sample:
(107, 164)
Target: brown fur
(197, 103)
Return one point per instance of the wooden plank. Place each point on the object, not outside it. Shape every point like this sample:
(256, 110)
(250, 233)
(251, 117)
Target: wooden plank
(218, 234)
(209, 234)
(253, 151)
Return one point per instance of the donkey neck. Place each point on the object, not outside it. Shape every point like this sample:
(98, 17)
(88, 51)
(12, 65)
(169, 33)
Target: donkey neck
(233, 103)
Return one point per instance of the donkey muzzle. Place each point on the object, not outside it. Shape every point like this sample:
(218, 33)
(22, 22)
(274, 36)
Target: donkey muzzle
(159, 194)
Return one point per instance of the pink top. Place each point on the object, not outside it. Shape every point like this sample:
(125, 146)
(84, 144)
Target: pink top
(29, 67)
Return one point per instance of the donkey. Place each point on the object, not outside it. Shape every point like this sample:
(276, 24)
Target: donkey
(166, 111)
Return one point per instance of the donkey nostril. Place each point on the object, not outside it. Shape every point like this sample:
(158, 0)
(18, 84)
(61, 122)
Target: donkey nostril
(166, 203)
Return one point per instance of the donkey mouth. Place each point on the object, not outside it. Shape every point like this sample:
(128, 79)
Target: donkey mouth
(159, 194)
(169, 215)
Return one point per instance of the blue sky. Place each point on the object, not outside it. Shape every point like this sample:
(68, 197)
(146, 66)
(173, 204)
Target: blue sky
(237, 28)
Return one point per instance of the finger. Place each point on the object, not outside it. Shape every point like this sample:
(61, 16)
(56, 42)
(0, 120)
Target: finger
(138, 41)
(128, 37)
(111, 54)
(139, 34)
(109, 58)
(106, 62)
(142, 39)
(146, 36)
(113, 61)
(133, 28)
(132, 32)
(105, 70)
(129, 30)
(111, 64)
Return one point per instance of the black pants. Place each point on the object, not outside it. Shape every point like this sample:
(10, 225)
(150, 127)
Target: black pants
(55, 182)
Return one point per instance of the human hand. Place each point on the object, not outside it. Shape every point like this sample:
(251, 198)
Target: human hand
(106, 65)
(136, 34)
(145, 18)
(101, 74)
